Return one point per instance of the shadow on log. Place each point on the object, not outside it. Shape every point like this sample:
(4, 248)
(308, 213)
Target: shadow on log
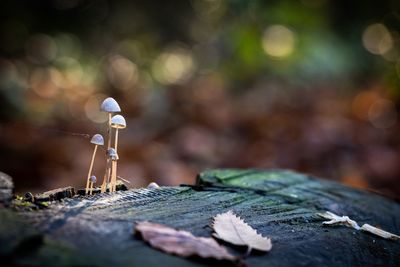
(97, 230)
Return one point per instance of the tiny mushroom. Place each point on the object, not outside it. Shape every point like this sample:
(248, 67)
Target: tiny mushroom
(92, 180)
(117, 122)
(97, 140)
(153, 185)
(110, 106)
(112, 154)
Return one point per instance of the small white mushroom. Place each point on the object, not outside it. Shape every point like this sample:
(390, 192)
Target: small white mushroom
(117, 122)
(97, 140)
(110, 106)
(113, 156)
(92, 180)
(153, 185)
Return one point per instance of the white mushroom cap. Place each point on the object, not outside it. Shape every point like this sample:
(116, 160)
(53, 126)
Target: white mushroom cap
(93, 179)
(153, 185)
(97, 139)
(110, 105)
(112, 154)
(118, 122)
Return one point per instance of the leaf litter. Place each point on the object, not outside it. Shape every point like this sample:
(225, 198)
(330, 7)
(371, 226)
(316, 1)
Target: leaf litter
(227, 227)
(181, 243)
(233, 229)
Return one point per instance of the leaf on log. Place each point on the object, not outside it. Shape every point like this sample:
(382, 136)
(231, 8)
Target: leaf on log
(233, 229)
(181, 243)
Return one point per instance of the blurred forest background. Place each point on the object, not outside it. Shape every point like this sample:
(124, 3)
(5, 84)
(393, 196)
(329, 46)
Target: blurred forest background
(309, 85)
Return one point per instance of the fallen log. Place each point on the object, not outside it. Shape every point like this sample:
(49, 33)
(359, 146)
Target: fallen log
(283, 205)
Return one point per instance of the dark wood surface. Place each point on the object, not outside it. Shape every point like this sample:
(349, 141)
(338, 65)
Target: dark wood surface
(6, 187)
(98, 230)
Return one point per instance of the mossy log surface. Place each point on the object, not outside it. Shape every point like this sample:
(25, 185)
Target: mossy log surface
(97, 230)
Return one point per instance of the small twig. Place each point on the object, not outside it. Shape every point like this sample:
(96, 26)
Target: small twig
(379, 232)
(119, 177)
(342, 220)
(346, 221)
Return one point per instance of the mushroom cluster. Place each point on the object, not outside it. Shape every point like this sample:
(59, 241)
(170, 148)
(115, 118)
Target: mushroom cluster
(115, 122)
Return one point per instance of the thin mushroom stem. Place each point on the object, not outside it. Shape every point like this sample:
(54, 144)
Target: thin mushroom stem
(116, 140)
(104, 184)
(108, 147)
(90, 169)
(106, 179)
(107, 173)
(91, 188)
(109, 131)
(110, 182)
(113, 176)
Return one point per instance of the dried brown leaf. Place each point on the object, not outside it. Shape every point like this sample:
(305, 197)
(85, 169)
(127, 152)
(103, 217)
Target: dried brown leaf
(181, 243)
(233, 229)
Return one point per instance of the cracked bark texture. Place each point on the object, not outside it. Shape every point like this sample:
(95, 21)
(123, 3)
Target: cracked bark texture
(97, 230)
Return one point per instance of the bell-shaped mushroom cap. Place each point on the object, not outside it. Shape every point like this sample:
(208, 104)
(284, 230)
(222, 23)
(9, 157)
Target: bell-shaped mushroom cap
(110, 105)
(97, 139)
(118, 122)
(93, 179)
(153, 185)
(112, 154)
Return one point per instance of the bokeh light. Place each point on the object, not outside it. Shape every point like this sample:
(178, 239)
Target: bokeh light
(8, 73)
(278, 41)
(122, 73)
(382, 114)
(174, 66)
(92, 109)
(68, 45)
(363, 102)
(41, 48)
(42, 84)
(310, 85)
(377, 39)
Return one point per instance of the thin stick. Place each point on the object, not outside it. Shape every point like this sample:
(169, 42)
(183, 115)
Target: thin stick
(90, 169)
(123, 179)
(107, 172)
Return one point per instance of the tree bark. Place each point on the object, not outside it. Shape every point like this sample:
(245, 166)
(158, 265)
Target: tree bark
(98, 230)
